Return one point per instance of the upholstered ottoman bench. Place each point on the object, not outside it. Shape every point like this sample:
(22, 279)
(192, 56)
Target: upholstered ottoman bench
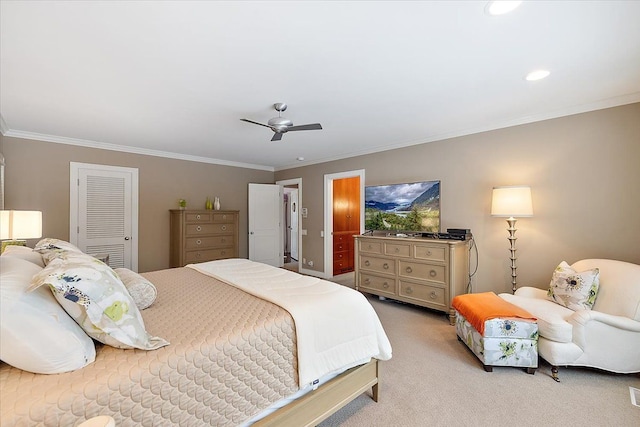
(497, 332)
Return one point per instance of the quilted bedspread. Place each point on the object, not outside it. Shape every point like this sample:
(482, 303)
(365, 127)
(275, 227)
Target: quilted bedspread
(231, 356)
(335, 325)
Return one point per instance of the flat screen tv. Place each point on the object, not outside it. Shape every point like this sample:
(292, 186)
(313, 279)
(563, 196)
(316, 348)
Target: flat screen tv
(408, 207)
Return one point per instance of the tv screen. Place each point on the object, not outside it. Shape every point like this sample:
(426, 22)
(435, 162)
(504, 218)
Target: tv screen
(403, 207)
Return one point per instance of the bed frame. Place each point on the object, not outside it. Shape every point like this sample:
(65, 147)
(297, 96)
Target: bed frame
(318, 405)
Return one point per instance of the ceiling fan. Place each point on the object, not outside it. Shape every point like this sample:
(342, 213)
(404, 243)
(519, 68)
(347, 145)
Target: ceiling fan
(281, 125)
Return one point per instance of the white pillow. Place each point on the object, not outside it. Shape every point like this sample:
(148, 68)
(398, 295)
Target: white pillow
(142, 291)
(37, 335)
(91, 292)
(572, 289)
(25, 253)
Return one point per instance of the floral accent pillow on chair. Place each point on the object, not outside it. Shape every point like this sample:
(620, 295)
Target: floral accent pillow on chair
(572, 289)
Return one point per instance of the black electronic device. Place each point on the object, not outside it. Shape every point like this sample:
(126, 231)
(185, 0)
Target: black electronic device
(447, 236)
(458, 231)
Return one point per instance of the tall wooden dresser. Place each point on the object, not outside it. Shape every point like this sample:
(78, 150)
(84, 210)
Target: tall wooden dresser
(202, 235)
(425, 272)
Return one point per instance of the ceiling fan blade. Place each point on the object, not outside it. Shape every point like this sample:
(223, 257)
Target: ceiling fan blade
(312, 126)
(256, 123)
(277, 136)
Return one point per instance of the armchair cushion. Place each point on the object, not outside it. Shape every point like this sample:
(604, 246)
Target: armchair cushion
(552, 318)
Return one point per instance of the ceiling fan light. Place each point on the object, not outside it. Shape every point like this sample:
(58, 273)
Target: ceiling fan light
(500, 7)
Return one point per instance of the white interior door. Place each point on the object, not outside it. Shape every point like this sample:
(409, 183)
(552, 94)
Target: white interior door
(104, 212)
(293, 209)
(265, 230)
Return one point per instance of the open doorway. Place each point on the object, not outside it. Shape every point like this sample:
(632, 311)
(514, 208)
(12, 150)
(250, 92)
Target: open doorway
(291, 236)
(330, 202)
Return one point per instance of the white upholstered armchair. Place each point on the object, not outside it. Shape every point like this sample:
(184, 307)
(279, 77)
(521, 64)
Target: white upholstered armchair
(606, 337)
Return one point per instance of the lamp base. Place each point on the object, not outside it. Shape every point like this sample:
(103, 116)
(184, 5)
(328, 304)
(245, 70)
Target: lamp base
(6, 243)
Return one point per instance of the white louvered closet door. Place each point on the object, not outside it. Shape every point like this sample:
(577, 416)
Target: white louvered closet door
(107, 212)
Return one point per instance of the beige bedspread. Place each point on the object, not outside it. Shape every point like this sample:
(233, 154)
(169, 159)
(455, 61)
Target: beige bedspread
(231, 355)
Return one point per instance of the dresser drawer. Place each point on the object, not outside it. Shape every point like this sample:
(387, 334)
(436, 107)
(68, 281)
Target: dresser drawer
(223, 217)
(382, 265)
(414, 270)
(222, 241)
(208, 255)
(398, 249)
(430, 253)
(370, 247)
(382, 285)
(433, 295)
(197, 217)
(343, 243)
(202, 229)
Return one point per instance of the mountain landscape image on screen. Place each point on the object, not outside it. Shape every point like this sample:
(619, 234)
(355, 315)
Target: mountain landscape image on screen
(403, 207)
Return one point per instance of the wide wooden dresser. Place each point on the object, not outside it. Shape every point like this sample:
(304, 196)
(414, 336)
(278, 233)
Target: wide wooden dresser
(202, 235)
(421, 271)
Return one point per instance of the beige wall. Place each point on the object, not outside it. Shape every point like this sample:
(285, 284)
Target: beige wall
(584, 171)
(37, 177)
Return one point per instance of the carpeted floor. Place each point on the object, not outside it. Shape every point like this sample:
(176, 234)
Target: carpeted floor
(434, 380)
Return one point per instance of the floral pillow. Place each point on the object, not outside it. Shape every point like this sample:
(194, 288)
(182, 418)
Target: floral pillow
(93, 295)
(572, 289)
(53, 248)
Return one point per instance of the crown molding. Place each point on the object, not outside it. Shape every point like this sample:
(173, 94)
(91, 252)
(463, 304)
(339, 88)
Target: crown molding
(126, 149)
(564, 112)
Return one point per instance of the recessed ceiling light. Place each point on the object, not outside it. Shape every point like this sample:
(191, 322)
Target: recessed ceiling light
(537, 75)
(494, 8)
(300, 159)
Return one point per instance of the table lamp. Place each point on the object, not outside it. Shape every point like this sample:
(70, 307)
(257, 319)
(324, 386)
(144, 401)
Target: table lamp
(15, 225)
(511, 202)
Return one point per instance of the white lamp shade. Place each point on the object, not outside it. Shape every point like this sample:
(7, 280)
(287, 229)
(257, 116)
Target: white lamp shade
(514, 201)
(20, 225)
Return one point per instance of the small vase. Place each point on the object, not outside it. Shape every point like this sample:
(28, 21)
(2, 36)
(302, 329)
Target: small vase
(216, 203)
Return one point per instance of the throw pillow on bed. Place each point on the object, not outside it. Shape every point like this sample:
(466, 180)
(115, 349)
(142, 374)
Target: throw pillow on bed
(572, 289)
(141, 290)
(91, 292)
(36, 334)
(25, 253)
(51, 248)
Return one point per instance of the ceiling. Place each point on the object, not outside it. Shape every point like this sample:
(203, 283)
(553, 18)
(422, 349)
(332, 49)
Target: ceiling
(175, 78)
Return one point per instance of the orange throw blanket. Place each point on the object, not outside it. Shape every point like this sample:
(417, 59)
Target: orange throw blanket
(478, 308)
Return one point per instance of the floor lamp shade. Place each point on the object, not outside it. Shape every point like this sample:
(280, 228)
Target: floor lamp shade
(514, 201)
(511, 202)
(18, 225)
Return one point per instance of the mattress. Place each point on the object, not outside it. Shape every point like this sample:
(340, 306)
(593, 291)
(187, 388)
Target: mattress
(231, 356)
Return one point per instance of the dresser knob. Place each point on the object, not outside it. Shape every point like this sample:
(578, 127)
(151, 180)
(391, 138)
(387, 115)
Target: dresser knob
(198, 255)
(223, 252)
(367, 281)
(409, 270)
(397, 250)
(385, 266)
(429, 253)
(198, 242)
(367, 263)
(369, 247)
(198, 216)
(198, 228)
(409, 290)
(224, 227)
(224, 217)
(433, 295)
(433, 273)
(385, 285)
(223, 240)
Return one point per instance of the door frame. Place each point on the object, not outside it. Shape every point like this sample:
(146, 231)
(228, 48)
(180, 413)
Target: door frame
(74, 176)
(298, 182)
(328, 213)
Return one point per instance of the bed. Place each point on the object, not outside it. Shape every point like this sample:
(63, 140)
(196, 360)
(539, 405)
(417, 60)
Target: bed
(233, 359)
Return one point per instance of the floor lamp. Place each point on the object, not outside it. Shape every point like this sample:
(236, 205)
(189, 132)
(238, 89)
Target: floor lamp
(511, 202)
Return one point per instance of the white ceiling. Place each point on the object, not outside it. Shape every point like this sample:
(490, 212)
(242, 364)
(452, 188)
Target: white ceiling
(174, 78)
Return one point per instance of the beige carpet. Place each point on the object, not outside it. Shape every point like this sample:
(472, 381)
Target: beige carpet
(434, 380)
